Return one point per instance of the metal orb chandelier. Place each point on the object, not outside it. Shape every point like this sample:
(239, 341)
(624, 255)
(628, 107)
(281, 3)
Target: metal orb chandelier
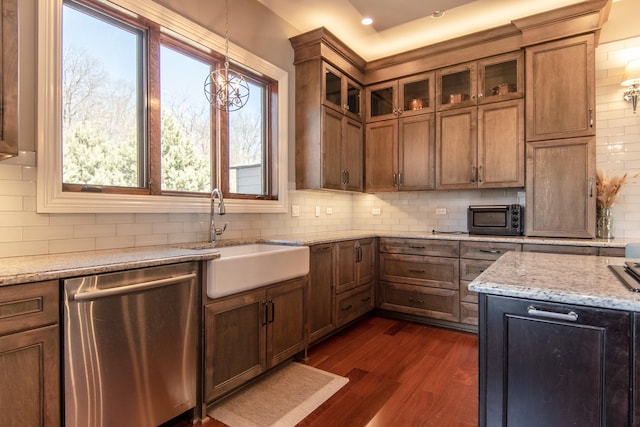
(226, 90)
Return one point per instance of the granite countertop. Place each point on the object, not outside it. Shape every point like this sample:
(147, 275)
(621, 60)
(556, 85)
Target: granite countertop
(328, 237)
(35, 268)
(572, 279)
(59, 266)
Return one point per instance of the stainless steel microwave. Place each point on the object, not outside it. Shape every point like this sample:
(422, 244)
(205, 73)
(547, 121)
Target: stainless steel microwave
(501, 220)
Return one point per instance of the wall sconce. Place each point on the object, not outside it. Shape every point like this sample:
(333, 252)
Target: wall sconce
(631, 77)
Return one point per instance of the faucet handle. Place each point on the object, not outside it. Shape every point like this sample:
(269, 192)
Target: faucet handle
(219, 230)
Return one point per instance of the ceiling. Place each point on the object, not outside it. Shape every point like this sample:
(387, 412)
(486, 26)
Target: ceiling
(401, 25)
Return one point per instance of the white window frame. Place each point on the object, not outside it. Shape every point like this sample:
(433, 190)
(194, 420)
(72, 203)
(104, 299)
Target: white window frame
(51, 198)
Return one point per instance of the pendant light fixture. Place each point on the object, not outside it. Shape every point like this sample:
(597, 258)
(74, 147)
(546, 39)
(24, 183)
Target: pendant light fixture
(226, 90)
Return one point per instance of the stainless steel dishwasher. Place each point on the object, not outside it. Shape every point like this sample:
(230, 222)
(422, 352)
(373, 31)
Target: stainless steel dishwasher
(130, 346)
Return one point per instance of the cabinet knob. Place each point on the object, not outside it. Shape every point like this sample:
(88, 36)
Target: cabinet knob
(346, 107)
(480, 95)
(473, 174)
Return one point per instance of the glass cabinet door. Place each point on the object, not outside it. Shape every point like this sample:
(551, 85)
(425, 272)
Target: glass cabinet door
(417, 94)
(457, 86)
(501, 78)
(332, 88)
(341, 93)
(354, 99)
(382, 101)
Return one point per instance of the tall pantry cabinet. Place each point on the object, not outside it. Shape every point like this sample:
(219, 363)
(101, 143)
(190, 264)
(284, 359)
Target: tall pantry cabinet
(560, 156)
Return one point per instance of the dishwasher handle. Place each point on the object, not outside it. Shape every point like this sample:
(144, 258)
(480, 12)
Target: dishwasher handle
(127, 289)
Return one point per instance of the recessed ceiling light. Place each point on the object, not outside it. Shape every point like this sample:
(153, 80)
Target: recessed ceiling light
(437, 13)
(367, 21)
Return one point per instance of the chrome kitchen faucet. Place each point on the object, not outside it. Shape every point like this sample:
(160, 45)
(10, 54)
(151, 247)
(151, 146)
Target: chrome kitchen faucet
(213, 231)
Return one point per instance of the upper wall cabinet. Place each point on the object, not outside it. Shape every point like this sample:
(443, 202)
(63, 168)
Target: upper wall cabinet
(482, 145)
(329, 126)
(561, 89)
(405, 97)
(9, 79)
(494, 79)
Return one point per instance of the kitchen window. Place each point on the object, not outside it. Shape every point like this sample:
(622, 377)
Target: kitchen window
(135, 132)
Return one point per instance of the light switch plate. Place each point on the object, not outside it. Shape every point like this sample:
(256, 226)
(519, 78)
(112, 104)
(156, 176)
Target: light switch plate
(317, 210)
(295, 210)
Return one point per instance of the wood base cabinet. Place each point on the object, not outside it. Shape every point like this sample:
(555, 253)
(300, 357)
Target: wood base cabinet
(30, 355)
(320, 304)
(549, 364)
(247, 334)
(420, 277)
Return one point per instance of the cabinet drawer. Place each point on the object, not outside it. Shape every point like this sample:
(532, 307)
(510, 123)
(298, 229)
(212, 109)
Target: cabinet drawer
(560, 249)
(486, 250)
(420, 270)
(471, 268)
(428, 302)
(469, 313)
(28, 306)
(353, 304)
(441, 248)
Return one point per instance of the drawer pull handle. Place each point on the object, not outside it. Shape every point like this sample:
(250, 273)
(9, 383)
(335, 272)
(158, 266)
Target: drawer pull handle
(571, 316)
(491, 251)
(417, 247)
(415, 301)
(347, 308)
(365, 299)
(416, 271)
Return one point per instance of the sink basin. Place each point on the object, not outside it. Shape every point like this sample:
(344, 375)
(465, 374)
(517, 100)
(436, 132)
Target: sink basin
(244, 267)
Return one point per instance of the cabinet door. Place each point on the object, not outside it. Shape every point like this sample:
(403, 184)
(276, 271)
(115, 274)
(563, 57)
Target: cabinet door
(456, 86)
(456, 148)
(9, 76)
(416, 153)
(382, 156)
(382, 101)
(286, 332)
(501, 78)
(560, 82)
(235, 342)
(332, 171)
(352, 154)
(30, 378)
(561, 199)
(416, 95)
(346, 275)
(320, 297)
(501, 144)
(546, 364)
(365, 261)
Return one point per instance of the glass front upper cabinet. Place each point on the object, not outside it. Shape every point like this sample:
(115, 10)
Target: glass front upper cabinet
(340, 92)
(501, 77)
(498, 78)
(399, 98)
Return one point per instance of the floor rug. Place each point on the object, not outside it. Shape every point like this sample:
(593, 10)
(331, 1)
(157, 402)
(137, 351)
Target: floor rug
(281, 399)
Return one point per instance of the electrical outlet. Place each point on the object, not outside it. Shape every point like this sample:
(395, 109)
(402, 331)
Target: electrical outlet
(317, 210)
(295, 210)
(376, 211)
(441, 211)
(329, 211)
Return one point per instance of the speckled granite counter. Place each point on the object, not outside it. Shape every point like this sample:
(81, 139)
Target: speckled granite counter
(58, 266)
(573, 279)
(334, 236)
(46, 267)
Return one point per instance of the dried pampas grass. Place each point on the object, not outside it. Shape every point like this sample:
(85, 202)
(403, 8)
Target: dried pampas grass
(608, 188)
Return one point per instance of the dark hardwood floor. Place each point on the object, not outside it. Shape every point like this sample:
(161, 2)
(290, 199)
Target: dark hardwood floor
(400, 374)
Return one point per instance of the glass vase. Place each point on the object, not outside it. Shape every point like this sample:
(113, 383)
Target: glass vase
(604, 223)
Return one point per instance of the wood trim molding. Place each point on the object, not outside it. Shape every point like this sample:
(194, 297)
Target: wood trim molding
(585, 17)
